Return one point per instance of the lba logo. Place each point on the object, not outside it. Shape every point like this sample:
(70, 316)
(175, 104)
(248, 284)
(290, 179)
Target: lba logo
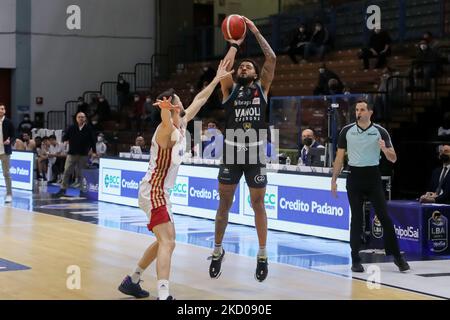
(179, 194)
(111, 181)
(270, 202)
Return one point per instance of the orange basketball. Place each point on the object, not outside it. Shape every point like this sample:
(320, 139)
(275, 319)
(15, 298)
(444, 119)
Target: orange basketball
(234, 27)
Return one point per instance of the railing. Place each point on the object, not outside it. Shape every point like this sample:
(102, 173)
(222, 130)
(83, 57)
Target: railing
(56, 120)
(89, 95)
(70, 108)
(143, 74)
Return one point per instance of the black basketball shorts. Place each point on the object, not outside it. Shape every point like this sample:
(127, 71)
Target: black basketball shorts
(255, 174)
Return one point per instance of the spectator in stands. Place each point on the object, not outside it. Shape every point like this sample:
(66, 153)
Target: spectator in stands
(25, 143)
(100, 148)
(319, 42)
(308, 142)
(323, 86)
(42, 160)
(425, 66)
(298, 43)
(379, 47)
(212, 141)
(123, 92)
(56, 159)
(140, 142)
(81, 140)
(26, 125)
(431, 41)
(439, 188)
(103, 112)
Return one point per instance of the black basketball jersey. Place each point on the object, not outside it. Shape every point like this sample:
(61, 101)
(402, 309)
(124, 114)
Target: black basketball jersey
(246, 114)
(246, 108)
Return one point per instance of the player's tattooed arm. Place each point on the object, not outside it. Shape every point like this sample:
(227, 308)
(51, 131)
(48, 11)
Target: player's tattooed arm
(268, 70)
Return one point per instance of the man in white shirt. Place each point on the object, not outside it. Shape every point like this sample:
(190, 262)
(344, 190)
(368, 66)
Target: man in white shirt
(6, 138)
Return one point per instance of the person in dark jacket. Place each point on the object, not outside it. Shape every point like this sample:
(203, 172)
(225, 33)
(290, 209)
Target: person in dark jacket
(81, 139)
(379, 47)
(298, 43)
(326, 85)
(319, 42)
(6, 141)
(439, 188)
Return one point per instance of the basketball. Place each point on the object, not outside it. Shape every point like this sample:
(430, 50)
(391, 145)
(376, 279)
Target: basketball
(234, 27)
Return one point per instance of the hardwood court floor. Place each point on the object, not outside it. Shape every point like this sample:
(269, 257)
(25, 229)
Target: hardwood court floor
(49, 244)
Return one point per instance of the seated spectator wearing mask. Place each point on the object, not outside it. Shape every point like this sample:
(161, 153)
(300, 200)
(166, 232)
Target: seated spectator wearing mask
(439, 189)
(325, 75)
(100, 148)
(212, 142)
(308, 142)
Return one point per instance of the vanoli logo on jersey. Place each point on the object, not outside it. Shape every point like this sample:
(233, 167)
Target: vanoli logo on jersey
(246, 114)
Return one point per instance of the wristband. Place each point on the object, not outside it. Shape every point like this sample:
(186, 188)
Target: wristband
(235, 45)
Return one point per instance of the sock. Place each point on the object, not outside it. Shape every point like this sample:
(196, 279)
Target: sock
(262, 252)
(163, 289)
(217, 249)
(136, 276)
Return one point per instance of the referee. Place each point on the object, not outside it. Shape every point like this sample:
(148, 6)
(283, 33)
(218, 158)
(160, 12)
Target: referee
(363, 141)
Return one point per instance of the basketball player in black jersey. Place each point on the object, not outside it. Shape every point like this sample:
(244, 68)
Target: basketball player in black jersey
(246, 130)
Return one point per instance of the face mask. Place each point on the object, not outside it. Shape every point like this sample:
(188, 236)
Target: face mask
(444, 158)
(423, 47)
(307, 141)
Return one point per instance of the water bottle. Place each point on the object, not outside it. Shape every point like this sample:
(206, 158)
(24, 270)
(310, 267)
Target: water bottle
(288, 161)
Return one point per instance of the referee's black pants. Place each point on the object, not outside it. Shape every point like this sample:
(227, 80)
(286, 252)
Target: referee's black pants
(366, 182)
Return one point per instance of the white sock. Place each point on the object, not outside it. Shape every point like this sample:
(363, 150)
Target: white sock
(262, 252)
(136, 276)
(163, 289)
(217, 250)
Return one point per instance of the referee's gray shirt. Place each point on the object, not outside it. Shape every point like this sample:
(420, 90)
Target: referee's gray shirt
(362, 144)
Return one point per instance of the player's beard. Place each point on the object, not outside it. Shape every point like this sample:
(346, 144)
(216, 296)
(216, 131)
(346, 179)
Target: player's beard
(244, 81)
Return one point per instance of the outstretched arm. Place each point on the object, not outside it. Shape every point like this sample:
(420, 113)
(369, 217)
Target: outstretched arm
(227, 82)
(268, 70)
(203, 96)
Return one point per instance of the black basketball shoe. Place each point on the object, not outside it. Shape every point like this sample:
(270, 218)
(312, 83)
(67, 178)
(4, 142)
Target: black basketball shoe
(215, 266)
(261, 269)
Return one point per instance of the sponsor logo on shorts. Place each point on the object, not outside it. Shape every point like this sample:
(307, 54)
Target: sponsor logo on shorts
(260, 179)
